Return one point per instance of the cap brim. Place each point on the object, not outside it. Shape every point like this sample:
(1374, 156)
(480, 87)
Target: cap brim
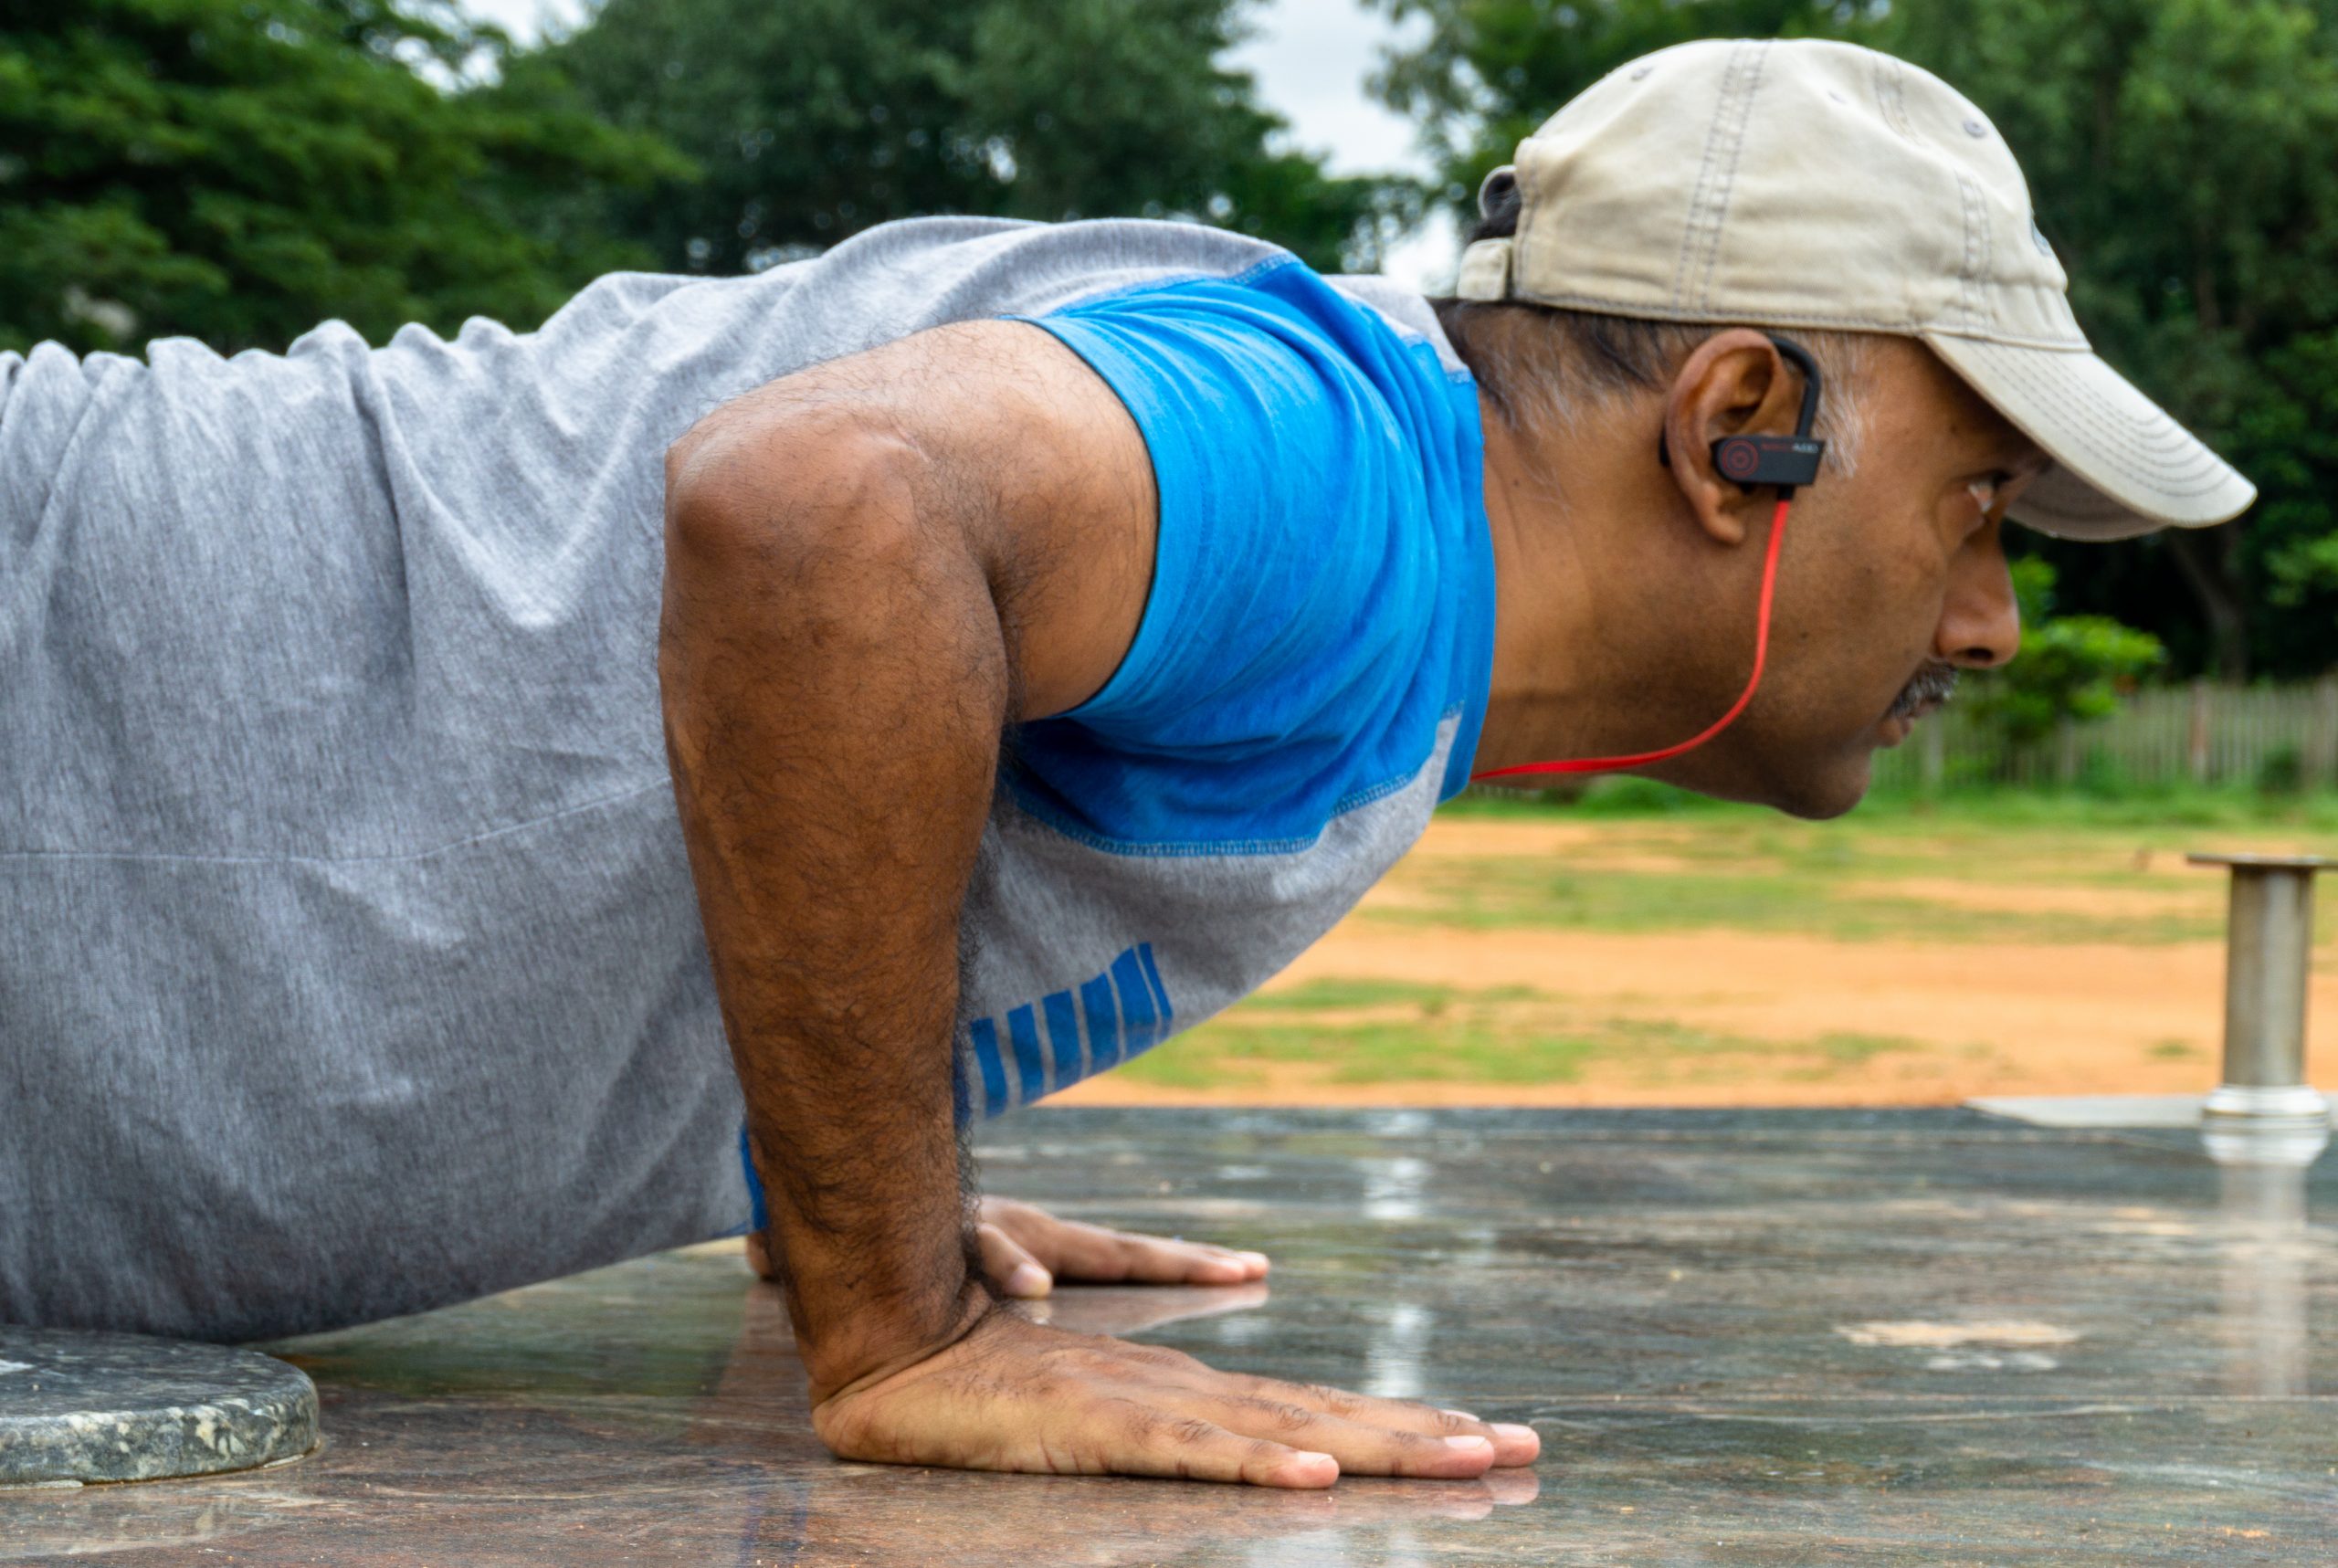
(2122, 466)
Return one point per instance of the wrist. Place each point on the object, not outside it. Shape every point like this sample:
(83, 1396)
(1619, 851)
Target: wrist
(868, 1347)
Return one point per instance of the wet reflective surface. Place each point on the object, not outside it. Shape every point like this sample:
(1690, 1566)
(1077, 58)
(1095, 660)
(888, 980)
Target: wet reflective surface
(1796, 1337)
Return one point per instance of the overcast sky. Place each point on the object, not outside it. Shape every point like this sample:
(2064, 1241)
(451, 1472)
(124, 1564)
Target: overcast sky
(1310, 58)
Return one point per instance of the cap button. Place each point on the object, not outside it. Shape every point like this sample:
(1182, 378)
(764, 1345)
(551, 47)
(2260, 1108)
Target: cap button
(1976, 128)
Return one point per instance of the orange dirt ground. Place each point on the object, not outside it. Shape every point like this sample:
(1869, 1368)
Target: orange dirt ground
(1979, 1019)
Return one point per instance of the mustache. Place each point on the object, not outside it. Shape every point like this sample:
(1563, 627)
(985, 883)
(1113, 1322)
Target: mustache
(1935, 683)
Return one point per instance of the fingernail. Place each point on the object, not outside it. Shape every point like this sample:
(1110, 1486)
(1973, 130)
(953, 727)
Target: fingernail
(1027, 1279)
(1461, 1414)
(1514, 1432)
(1258, 1258)
(1467, 1443)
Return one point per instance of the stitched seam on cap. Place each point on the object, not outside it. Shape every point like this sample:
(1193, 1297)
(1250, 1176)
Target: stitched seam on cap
(1988, 295)
(1973, 265)
(1890, 97)
(2133, 436)
(1697, 192)
(1898, 326)
(1999, 337)
(2127, 440)
(2118, 448)
(1760, 54)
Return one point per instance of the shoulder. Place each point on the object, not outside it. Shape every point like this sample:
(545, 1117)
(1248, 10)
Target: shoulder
(1319, 548)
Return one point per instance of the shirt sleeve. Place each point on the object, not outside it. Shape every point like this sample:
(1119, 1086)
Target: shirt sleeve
(1287, 663)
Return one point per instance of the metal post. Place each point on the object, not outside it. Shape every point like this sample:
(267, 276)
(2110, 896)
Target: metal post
(2265, 1112)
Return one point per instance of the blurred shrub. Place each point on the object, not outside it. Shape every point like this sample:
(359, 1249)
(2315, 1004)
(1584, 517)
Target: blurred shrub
(2282, 773)
(2071, 668)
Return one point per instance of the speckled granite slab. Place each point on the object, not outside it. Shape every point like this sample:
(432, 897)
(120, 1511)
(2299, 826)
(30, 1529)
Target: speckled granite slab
(1926, 1338)
(123, 1407)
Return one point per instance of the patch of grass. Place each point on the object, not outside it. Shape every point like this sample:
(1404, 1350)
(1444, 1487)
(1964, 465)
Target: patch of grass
(2171, 1050)
(1748, 869)
(2183, 806)
(1850, 1047)
(1366, 1031)
(1798, 893)
(1316, 995)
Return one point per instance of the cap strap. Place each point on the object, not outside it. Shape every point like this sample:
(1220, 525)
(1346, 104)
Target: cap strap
(1485, 271)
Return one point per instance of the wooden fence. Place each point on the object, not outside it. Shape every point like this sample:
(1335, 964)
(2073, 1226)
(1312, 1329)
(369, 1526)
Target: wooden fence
(2277, 736)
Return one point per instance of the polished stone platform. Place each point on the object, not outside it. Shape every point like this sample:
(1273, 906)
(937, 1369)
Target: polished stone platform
(1746, 1338)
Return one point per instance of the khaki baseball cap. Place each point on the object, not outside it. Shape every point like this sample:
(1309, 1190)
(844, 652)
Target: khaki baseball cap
(1806, 183)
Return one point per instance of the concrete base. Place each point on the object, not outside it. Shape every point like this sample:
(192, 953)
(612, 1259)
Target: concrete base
(79, 1408)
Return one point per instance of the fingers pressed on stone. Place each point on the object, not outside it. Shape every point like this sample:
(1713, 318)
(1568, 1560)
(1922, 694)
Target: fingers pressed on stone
(1512, 1444)
(1238, 1266)
(1397, 1415)
(1361, 1449)
(1516, 1443)
(1156, 1261)
(1009, 1265)
(1201, 1450)
(1094, 1253)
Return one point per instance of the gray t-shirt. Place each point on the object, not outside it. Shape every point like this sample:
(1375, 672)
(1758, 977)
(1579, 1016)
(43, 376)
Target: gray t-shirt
(349, 964)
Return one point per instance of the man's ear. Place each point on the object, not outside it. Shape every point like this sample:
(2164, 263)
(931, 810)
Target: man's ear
(1734, 382)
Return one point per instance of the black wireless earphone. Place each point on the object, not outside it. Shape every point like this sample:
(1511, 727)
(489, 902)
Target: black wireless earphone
(1785, 461)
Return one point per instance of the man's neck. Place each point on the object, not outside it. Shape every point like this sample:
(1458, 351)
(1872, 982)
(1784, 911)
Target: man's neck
(1586, 632)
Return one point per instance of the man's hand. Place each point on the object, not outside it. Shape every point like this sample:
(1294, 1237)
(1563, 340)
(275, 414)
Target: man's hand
(1012, 1394)
(1026, 1250)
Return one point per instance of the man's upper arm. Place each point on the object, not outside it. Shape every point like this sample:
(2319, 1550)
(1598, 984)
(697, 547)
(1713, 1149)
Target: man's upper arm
(1005, 444)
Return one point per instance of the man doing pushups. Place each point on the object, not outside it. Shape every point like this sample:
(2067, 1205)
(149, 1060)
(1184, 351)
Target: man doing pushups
(1047, 631)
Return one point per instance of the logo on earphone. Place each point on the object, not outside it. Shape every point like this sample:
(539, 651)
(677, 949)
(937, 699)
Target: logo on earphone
(1739, 459)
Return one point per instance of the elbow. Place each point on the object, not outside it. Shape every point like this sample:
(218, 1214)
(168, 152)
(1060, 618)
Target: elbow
(744, 491)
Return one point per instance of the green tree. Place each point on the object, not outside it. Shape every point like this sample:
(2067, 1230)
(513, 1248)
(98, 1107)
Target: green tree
(1486, 73)
(815, 120)
(2179, 153)
(239, 170)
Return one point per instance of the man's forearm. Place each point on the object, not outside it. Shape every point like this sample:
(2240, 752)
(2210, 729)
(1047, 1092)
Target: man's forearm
(835, 682)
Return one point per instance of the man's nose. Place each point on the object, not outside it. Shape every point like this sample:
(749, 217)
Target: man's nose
(1980, 626)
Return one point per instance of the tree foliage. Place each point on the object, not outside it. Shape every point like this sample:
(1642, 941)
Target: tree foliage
(2178, 151)
(814, 120)
(2072, 668)
(1486, 73)
(239, 169)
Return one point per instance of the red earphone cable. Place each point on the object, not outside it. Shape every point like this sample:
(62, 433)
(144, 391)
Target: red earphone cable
(1761, 657)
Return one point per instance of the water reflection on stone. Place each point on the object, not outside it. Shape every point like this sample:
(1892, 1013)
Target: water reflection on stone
(2267, 1249)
